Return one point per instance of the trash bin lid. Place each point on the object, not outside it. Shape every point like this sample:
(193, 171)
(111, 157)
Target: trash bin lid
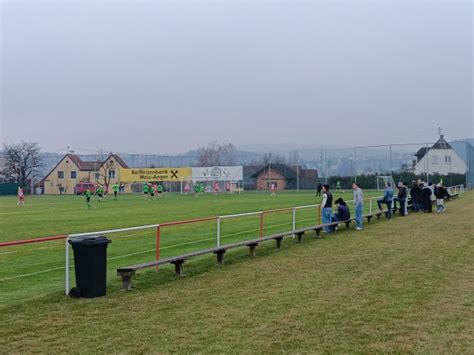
(90, 241)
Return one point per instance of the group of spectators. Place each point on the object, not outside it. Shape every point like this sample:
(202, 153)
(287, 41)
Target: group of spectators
(391, 202)
(422, 197)
(342, 213)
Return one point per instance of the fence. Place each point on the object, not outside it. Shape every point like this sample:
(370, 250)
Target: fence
(308, 215)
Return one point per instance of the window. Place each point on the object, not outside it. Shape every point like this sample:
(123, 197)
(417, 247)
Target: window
(111, 174)
(73, 174)
(97, 176)
(447, 159)
(60, 174)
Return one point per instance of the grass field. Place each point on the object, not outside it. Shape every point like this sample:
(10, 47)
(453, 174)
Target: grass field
(400, 285)
(33, 270)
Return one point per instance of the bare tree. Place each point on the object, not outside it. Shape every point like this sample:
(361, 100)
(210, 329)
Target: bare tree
(269, 158)
(22, 161)
(215, 154)
(106, 173)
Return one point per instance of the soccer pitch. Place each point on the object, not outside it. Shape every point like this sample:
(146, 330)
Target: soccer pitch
(403, 285)
(32, 270)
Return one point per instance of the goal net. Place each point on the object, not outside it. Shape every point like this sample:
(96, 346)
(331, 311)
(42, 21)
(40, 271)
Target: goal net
(382, 180)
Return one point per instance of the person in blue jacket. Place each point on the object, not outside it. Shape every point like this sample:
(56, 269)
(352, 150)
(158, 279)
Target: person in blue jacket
(387, 199)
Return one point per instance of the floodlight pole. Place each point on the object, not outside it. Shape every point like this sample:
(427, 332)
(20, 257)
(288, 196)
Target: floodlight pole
(468, 160)
(297, 177)
(355, 159)
(269, 167)
(391, 174)
(427, 165)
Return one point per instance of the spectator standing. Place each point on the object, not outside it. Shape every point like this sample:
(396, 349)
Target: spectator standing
(426, 203)
(441, 193)
(413, 194)
(326, 207)
(401, 198)
(358, 204)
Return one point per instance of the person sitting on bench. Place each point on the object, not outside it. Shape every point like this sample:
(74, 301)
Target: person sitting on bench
(342, 213)
(387, 199)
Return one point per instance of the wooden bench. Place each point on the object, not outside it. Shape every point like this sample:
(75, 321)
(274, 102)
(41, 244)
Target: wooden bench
(375, 214)
(127, 272)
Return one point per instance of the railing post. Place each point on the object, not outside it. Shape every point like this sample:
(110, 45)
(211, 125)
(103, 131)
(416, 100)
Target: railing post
(158, 237)
(261, 225)
(370, 205)
(66, 271)
(294, 220)
(218, 231)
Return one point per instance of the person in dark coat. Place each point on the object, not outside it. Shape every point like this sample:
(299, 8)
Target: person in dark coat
(342, 213)
(414, 192)
(401, 198)
(426, 193)
(441, 193)
(419, 195)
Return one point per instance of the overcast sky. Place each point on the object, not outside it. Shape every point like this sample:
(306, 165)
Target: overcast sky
(165, 77)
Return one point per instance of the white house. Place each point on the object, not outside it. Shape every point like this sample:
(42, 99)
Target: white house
(441, 159)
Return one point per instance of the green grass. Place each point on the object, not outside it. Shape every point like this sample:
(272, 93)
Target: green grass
(33, 270)
(403, 285)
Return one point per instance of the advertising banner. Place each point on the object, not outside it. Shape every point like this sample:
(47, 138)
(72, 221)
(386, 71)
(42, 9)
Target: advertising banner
(218, 173)
(155, 174)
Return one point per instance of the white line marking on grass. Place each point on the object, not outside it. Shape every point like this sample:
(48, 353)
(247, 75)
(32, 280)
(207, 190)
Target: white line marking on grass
(7, 252)
(32, 273)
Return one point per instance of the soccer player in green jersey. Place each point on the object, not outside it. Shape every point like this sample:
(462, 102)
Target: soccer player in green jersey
(159, 190)
(115, 188)
(145, 191)
(197, 189)
(100, 193)
(87, 193)
(201, 189)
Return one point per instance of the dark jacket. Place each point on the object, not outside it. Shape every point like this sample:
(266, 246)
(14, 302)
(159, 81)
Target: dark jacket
(343, 213)
(441, 193)
(402, 193)
(419, 193)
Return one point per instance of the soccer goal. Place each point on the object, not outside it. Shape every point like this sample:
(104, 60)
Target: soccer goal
(382, 180)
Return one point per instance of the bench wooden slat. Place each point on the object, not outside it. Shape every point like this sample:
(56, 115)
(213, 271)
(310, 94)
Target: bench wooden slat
(128, 271)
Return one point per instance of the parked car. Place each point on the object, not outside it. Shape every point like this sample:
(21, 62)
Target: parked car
(81, 187)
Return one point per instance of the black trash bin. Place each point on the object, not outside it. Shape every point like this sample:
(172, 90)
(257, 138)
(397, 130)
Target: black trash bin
(90, 261)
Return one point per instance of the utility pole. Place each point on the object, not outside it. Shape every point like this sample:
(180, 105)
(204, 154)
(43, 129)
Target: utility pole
(269, 175)
(427, 166)
(391, 174)
(326, 170)
(322, 174)
(297, 171)
(355, 167)
(468, 163)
